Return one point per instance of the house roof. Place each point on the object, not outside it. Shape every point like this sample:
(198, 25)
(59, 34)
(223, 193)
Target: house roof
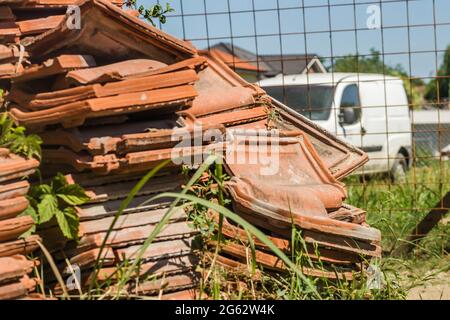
(271, 65)
(288, 64)
(234, 62)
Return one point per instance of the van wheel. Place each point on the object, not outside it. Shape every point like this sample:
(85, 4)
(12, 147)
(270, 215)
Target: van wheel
(399, 169)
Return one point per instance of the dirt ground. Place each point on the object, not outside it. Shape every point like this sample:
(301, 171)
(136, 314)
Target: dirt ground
(435, 289)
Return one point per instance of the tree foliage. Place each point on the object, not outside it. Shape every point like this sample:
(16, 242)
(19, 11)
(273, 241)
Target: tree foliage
(156, 11)
(375, 64)
(439, 88)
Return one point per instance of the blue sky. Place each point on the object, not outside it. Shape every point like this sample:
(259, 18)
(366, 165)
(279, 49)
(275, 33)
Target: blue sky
(301, 26)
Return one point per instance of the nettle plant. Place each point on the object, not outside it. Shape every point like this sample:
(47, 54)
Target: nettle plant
(57, 200)
(47, 201)
(17, 141)
(156, 11)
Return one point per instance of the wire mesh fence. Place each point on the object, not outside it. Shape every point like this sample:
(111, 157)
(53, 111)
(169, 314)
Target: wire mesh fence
(375, 73)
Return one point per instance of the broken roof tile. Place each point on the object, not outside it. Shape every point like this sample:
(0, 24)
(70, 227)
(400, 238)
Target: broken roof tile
(113, 72)
(37, 26)
(58, 65)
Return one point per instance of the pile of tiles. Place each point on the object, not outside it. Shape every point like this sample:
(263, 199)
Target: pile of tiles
(108, 100)
(14, 267)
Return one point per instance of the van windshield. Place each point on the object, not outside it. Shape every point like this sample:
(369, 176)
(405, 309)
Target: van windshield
(313, 101)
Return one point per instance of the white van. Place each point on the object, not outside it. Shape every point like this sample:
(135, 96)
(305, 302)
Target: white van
(369, 111)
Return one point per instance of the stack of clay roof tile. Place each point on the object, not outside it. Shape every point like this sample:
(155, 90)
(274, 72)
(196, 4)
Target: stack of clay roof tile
(106, 105)
(107, 100)
(27, 18)
(14, 266)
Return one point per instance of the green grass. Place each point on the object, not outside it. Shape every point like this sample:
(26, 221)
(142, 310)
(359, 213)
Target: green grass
(396, 209)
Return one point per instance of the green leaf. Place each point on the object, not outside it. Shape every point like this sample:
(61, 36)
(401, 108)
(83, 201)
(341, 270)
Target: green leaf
(37, 191)
(14, 138)
(68, 223)
(32, 213)
(47, 208)
(73, 195)
(59, 182)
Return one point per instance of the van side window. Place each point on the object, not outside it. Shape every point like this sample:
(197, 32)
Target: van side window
(350, 99)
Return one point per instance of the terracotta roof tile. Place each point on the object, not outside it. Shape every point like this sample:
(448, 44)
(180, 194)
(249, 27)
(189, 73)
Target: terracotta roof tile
(14, 267)
(13, 166)
(121, 33)
(74, 114)
(160, 250)
(123, 139)
(112, 163)
(13, 189)
(17, 289)
(20, 246)
(40, 101)
(114, 72)
(340, 157)
(235, 62)
(55, 66)
(166, 284)
(158, 268)
(11, 208)
(37, 26)
(11, 229)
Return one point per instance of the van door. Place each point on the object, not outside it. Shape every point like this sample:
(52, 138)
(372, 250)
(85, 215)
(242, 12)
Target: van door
(374, 124)
(349, 113)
